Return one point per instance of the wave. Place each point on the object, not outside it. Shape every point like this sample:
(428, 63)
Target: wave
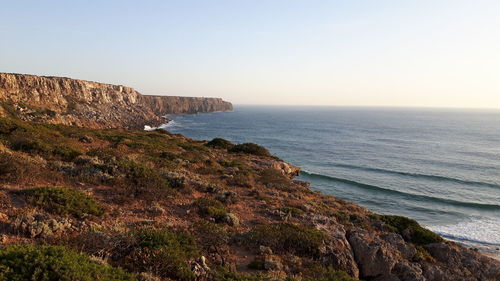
(417, 175)
(483, 232)
(170, 124)
(401, 193)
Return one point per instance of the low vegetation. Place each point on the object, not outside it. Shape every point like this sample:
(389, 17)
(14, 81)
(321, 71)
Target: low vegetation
(210, 208)
(164, 252)
(411, 230)
(288, 238)
(63, 201)
(250, 148)
(220, 143)
(48, 263)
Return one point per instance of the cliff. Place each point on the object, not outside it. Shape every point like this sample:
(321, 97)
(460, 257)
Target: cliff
(91, 104)
(136, 205)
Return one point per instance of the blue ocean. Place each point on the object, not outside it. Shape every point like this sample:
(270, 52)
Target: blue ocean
(438, 166)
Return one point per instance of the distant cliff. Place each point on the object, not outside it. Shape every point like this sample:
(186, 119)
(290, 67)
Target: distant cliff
(91, 104)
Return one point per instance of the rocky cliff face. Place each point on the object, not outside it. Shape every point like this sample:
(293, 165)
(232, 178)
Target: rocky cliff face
(91, 104)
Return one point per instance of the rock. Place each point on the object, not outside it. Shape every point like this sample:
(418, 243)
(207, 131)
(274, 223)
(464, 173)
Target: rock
(88, 160)
(264, 250)
(94, 105)
(286, 169)
(374, 258)
(228, 197)
(86, 139)
(337, 251)
(231, 219)
(39, 226)
(156, 209)
(200, 269)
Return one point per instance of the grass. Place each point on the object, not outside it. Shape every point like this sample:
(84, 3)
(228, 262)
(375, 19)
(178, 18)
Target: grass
(48, 263)
(63, 201)
(288, 238)
(410, 230)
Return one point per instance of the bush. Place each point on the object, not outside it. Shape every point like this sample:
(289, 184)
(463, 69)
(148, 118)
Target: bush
(63, 201)
(164, 252)
(257, 264)
(142, 181)
(288, 238)
(220, 143)
(47, 263)
(411, 230)
(213, 239)
(211, 208)
(250, 148)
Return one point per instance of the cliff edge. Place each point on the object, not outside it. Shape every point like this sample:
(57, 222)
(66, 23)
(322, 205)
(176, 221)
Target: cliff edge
(68, 101)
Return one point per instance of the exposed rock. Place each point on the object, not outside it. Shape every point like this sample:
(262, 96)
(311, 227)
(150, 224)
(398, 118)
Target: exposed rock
(462, 264)
(200, 269)
(337, 251)
(91, 104)
(39, 226)
(231, 219)
(375, 257)
(228, 197)
(288, 170)
(156, 210)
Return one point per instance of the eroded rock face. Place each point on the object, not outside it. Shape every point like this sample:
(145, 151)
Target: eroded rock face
(388, 257)
(91, 104)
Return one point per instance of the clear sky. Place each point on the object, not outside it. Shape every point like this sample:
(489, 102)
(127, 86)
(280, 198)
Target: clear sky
(439, 53)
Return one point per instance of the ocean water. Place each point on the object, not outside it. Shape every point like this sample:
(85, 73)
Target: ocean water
(440, 167)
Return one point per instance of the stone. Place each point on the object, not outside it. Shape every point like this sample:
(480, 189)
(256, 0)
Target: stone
(38, 225)
(228, 197)
(231, 219)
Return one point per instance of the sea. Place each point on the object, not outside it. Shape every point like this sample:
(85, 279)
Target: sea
(440, 167)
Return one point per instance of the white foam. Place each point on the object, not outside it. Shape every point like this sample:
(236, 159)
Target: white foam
(477, 231)
(149, 128)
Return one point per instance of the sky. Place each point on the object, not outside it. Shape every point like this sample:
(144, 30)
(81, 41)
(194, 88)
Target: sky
(418, 53)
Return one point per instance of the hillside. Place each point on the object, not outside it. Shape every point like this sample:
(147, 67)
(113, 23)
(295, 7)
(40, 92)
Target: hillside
(68, 101)
(109, 204)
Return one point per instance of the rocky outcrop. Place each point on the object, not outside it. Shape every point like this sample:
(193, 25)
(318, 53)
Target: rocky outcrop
(91, 104)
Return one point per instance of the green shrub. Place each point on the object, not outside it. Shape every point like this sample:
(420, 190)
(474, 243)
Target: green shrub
(211, 208)
(288, 238)
(411, 230)
(66, 152)
(63, 201)
(47, 263)
(142, 181)
(250, 148)
(257, 264)
(164, 252)
(220, 143)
